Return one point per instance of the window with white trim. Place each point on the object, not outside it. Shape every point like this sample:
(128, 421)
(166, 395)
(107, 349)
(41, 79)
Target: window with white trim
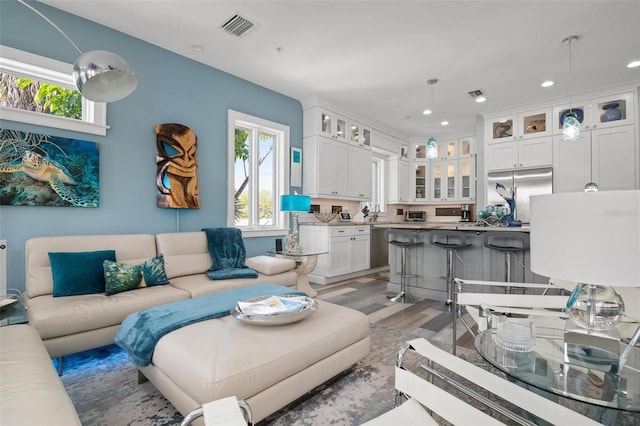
(258, 175)
(16, 63)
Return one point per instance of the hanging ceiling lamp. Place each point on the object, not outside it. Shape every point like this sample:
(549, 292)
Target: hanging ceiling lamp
(432, 145)
(571, 123)
(100, 75)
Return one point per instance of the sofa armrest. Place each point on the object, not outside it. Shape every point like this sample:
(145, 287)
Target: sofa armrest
(268, 265)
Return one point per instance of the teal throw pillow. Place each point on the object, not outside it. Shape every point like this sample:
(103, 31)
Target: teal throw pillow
(121, 277)
(153, 271)
(76, 273)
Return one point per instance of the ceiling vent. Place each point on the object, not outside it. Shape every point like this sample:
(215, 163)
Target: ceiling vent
(237, 25)
(476, 93)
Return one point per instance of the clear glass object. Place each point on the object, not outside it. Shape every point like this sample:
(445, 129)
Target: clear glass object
(571, 127)
(515, 337)
(595, 307)
(432, 148)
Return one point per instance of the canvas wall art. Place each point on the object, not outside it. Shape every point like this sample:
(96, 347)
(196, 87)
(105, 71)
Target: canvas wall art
(177, 167)
(45, 170)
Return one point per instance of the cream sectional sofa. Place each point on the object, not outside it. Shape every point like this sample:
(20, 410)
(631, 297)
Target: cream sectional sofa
(72, 324)
(31, 393)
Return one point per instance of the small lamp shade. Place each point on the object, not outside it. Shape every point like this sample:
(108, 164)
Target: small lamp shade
(103, 76)
(295, 203)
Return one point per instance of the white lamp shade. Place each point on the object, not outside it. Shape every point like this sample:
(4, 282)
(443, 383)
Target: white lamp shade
(103, 76)
(587, 237)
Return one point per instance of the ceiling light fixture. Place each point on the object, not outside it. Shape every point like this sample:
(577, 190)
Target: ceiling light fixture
(100, 75)
(481, 99)
(571, 123)
(633, 64)
(431, 82)
(444, 123)
(547, 83)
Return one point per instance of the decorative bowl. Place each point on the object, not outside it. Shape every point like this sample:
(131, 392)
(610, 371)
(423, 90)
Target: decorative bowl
(325, 217)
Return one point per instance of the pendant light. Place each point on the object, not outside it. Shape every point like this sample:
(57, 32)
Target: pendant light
(432, 145)
(571, 123)
(100, 75)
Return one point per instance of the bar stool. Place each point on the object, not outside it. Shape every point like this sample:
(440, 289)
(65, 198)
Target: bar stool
(451, 241)
(404, 246)
(510, 243)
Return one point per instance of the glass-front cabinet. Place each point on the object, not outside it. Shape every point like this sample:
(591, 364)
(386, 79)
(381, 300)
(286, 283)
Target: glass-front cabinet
(448, 149)
(420, 151)
(466, 147)
(333, 125)
(420, 193)
(467, 179)
(443, 180)
(598, 113)
(525, 125)
(360, 135)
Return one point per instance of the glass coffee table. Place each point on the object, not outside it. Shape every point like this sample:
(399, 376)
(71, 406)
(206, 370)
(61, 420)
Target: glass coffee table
(14, 314)
(306, 262)
(545, 369)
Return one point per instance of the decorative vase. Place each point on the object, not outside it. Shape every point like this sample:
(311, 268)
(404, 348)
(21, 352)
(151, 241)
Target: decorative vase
(611, 112)
(595, 307)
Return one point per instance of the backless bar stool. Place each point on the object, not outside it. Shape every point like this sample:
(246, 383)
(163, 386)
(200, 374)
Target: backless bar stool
(404, 246)
(451, 241)
(510, 243)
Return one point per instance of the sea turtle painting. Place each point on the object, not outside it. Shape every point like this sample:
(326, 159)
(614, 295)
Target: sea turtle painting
(26, 181)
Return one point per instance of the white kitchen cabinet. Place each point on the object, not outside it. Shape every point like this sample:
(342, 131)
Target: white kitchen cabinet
(515, 154)
(467, 179)
(467, 147)
(319, 121)
(523, 125)
(360, 134)
(605, 156)
(592, 112)
(383, 142)
(348, 247)
(420, 191)
(397, 180)
(335, 169)
(447, 149)
(443, 180)
(359, 166)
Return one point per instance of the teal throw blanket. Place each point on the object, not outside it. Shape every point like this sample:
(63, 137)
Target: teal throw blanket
(140, 331)
(227, 250)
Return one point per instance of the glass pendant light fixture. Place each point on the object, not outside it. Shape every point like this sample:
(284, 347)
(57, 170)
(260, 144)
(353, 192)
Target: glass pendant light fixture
(432, 148)
(571, 123)
(431, 82)
(100, 75)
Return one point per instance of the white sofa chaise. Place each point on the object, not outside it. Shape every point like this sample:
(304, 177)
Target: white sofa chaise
(31, 393)
(72, 324)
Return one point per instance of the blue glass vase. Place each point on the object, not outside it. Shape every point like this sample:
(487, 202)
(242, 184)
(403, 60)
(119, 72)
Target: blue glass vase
(611, 112)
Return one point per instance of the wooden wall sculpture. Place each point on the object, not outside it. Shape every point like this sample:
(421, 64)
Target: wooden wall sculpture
(177, 167)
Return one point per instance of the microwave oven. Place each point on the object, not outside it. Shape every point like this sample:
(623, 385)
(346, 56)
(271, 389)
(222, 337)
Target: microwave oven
(416, 216)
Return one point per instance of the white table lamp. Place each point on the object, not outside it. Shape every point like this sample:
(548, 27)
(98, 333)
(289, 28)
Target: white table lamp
(593, 239)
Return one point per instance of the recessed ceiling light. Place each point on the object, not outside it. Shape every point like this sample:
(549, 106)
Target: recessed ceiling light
(481, 99)
(444, 123)
(427, 112)
(547, 83)
(633, 64)
(197, 48)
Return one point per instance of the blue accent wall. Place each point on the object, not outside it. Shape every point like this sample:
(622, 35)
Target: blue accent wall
(171, 89)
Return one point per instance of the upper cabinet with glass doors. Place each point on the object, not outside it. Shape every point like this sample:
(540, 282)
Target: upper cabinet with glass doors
(526, 125)
(447, 149)
(598, 113)
(318, 121)
(360, 134)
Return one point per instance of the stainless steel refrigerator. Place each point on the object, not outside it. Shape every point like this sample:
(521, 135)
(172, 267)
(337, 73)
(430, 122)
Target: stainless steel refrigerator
(525, 183)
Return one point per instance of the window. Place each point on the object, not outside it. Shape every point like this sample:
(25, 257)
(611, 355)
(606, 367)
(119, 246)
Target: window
(258, 175)
(19, 64)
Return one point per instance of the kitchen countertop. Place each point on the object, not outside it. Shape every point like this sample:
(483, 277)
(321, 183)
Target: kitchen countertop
(452, 226)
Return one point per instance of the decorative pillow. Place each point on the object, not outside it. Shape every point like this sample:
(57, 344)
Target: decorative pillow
(153, 271)
(76, 273)
(121, 277)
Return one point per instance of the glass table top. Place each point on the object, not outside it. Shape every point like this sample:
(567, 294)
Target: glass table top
(14, 314)
(545, 369)
(295, 254)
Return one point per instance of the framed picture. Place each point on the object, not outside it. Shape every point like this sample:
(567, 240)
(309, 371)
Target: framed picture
(296, 167)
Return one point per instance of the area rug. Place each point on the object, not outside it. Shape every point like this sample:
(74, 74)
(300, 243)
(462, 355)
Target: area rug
(103, 386)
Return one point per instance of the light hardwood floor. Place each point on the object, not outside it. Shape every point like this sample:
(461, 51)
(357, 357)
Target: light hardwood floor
(369, 295)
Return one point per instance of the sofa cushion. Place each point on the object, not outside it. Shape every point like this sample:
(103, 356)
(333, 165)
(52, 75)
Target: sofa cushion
(153, 271)
(76, 273)
(269, 265)
(185, 253)
(121, 277)
(62, 316)
(199, 285)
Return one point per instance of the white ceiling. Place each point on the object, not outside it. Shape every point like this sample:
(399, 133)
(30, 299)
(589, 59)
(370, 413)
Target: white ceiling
(374, 58)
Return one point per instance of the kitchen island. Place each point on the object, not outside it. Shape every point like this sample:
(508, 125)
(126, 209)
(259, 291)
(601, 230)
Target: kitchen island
(475, 262)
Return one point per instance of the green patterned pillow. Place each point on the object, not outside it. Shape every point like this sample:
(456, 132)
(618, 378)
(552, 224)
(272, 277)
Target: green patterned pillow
(121, 277)
(153, 271)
